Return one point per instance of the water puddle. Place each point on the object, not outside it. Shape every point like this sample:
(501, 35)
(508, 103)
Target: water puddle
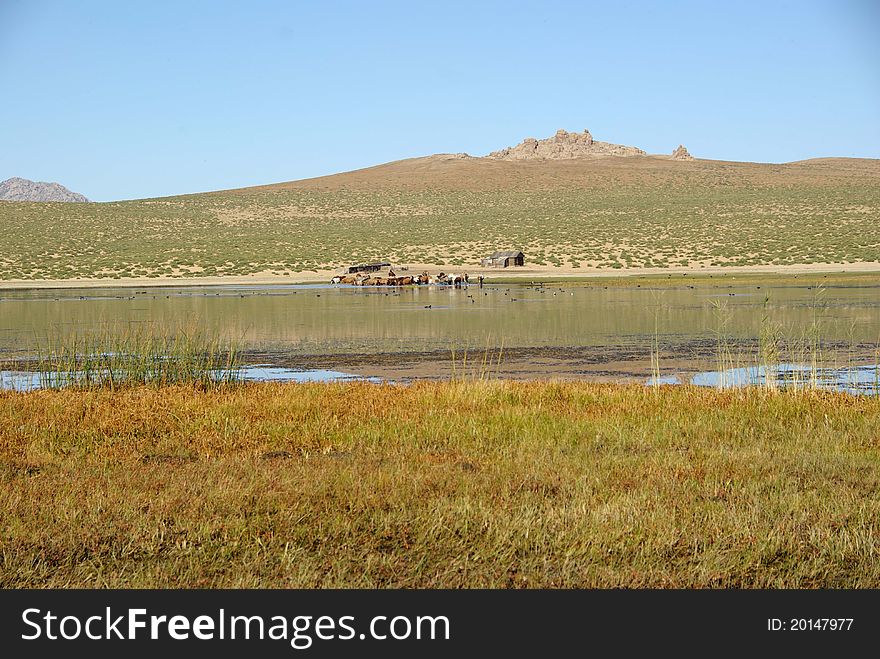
(864, 379)
(30, 381)
(19, 380)
(269, 373)
(664, 379)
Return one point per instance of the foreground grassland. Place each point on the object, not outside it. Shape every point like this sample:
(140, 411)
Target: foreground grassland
(609, 214)
(457, 484)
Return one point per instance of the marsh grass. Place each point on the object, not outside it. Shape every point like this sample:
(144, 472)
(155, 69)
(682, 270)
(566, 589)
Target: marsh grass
(770, 338)
(147, 481)
(439, 484)
(724, 355)
(814, 334)
(655, 342)
(487, 366)
(141, 356)
(795, 358)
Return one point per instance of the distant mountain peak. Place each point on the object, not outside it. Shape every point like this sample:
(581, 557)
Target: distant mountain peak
(22, 189)
(564, 146)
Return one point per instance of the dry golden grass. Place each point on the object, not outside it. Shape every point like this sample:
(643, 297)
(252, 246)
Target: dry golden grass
(456, 484)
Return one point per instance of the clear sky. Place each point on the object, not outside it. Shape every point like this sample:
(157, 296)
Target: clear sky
(122, 100)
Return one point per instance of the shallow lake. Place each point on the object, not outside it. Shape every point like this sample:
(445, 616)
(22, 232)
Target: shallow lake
(323, 321)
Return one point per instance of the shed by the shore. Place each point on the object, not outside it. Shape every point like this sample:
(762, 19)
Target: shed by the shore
(504, 259)
(366, 267)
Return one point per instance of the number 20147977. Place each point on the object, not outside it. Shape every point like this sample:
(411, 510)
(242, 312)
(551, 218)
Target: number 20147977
(809, 624)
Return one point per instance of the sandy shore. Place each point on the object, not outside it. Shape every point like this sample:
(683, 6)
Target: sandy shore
(526, 273)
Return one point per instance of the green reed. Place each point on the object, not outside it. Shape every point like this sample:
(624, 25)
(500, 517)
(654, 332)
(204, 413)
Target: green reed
(141, 356)
(488, 367)
(805, 348)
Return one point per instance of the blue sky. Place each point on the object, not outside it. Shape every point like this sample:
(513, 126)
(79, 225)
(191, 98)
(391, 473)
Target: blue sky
(122, 100)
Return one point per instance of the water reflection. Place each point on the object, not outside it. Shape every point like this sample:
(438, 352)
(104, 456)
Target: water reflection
(863, 379)
(320, 319)
(31, 381)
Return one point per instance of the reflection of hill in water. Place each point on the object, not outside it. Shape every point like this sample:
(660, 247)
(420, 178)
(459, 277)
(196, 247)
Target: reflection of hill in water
(315, 320)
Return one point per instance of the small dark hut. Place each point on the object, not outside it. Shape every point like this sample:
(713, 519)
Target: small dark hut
(504, 259)
(366, 267)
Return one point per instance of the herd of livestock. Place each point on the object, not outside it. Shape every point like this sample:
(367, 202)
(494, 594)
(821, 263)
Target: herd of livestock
(443, 279)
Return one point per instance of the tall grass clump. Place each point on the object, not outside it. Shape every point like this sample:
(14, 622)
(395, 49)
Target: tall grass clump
(723, 350)
(770, 340)
(142, 356)
(487, 367)
(655, 344)
(814, 335)
(793, 358)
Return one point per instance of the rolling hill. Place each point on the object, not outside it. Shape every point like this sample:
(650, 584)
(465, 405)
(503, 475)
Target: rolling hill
(584, 214)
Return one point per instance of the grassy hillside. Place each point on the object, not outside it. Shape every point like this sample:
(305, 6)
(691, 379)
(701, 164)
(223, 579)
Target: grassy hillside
(612, 213)
(456, 484)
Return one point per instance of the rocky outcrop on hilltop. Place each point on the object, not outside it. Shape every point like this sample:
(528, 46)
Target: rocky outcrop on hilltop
(21, 189)
(681, 153)
(564, 146)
